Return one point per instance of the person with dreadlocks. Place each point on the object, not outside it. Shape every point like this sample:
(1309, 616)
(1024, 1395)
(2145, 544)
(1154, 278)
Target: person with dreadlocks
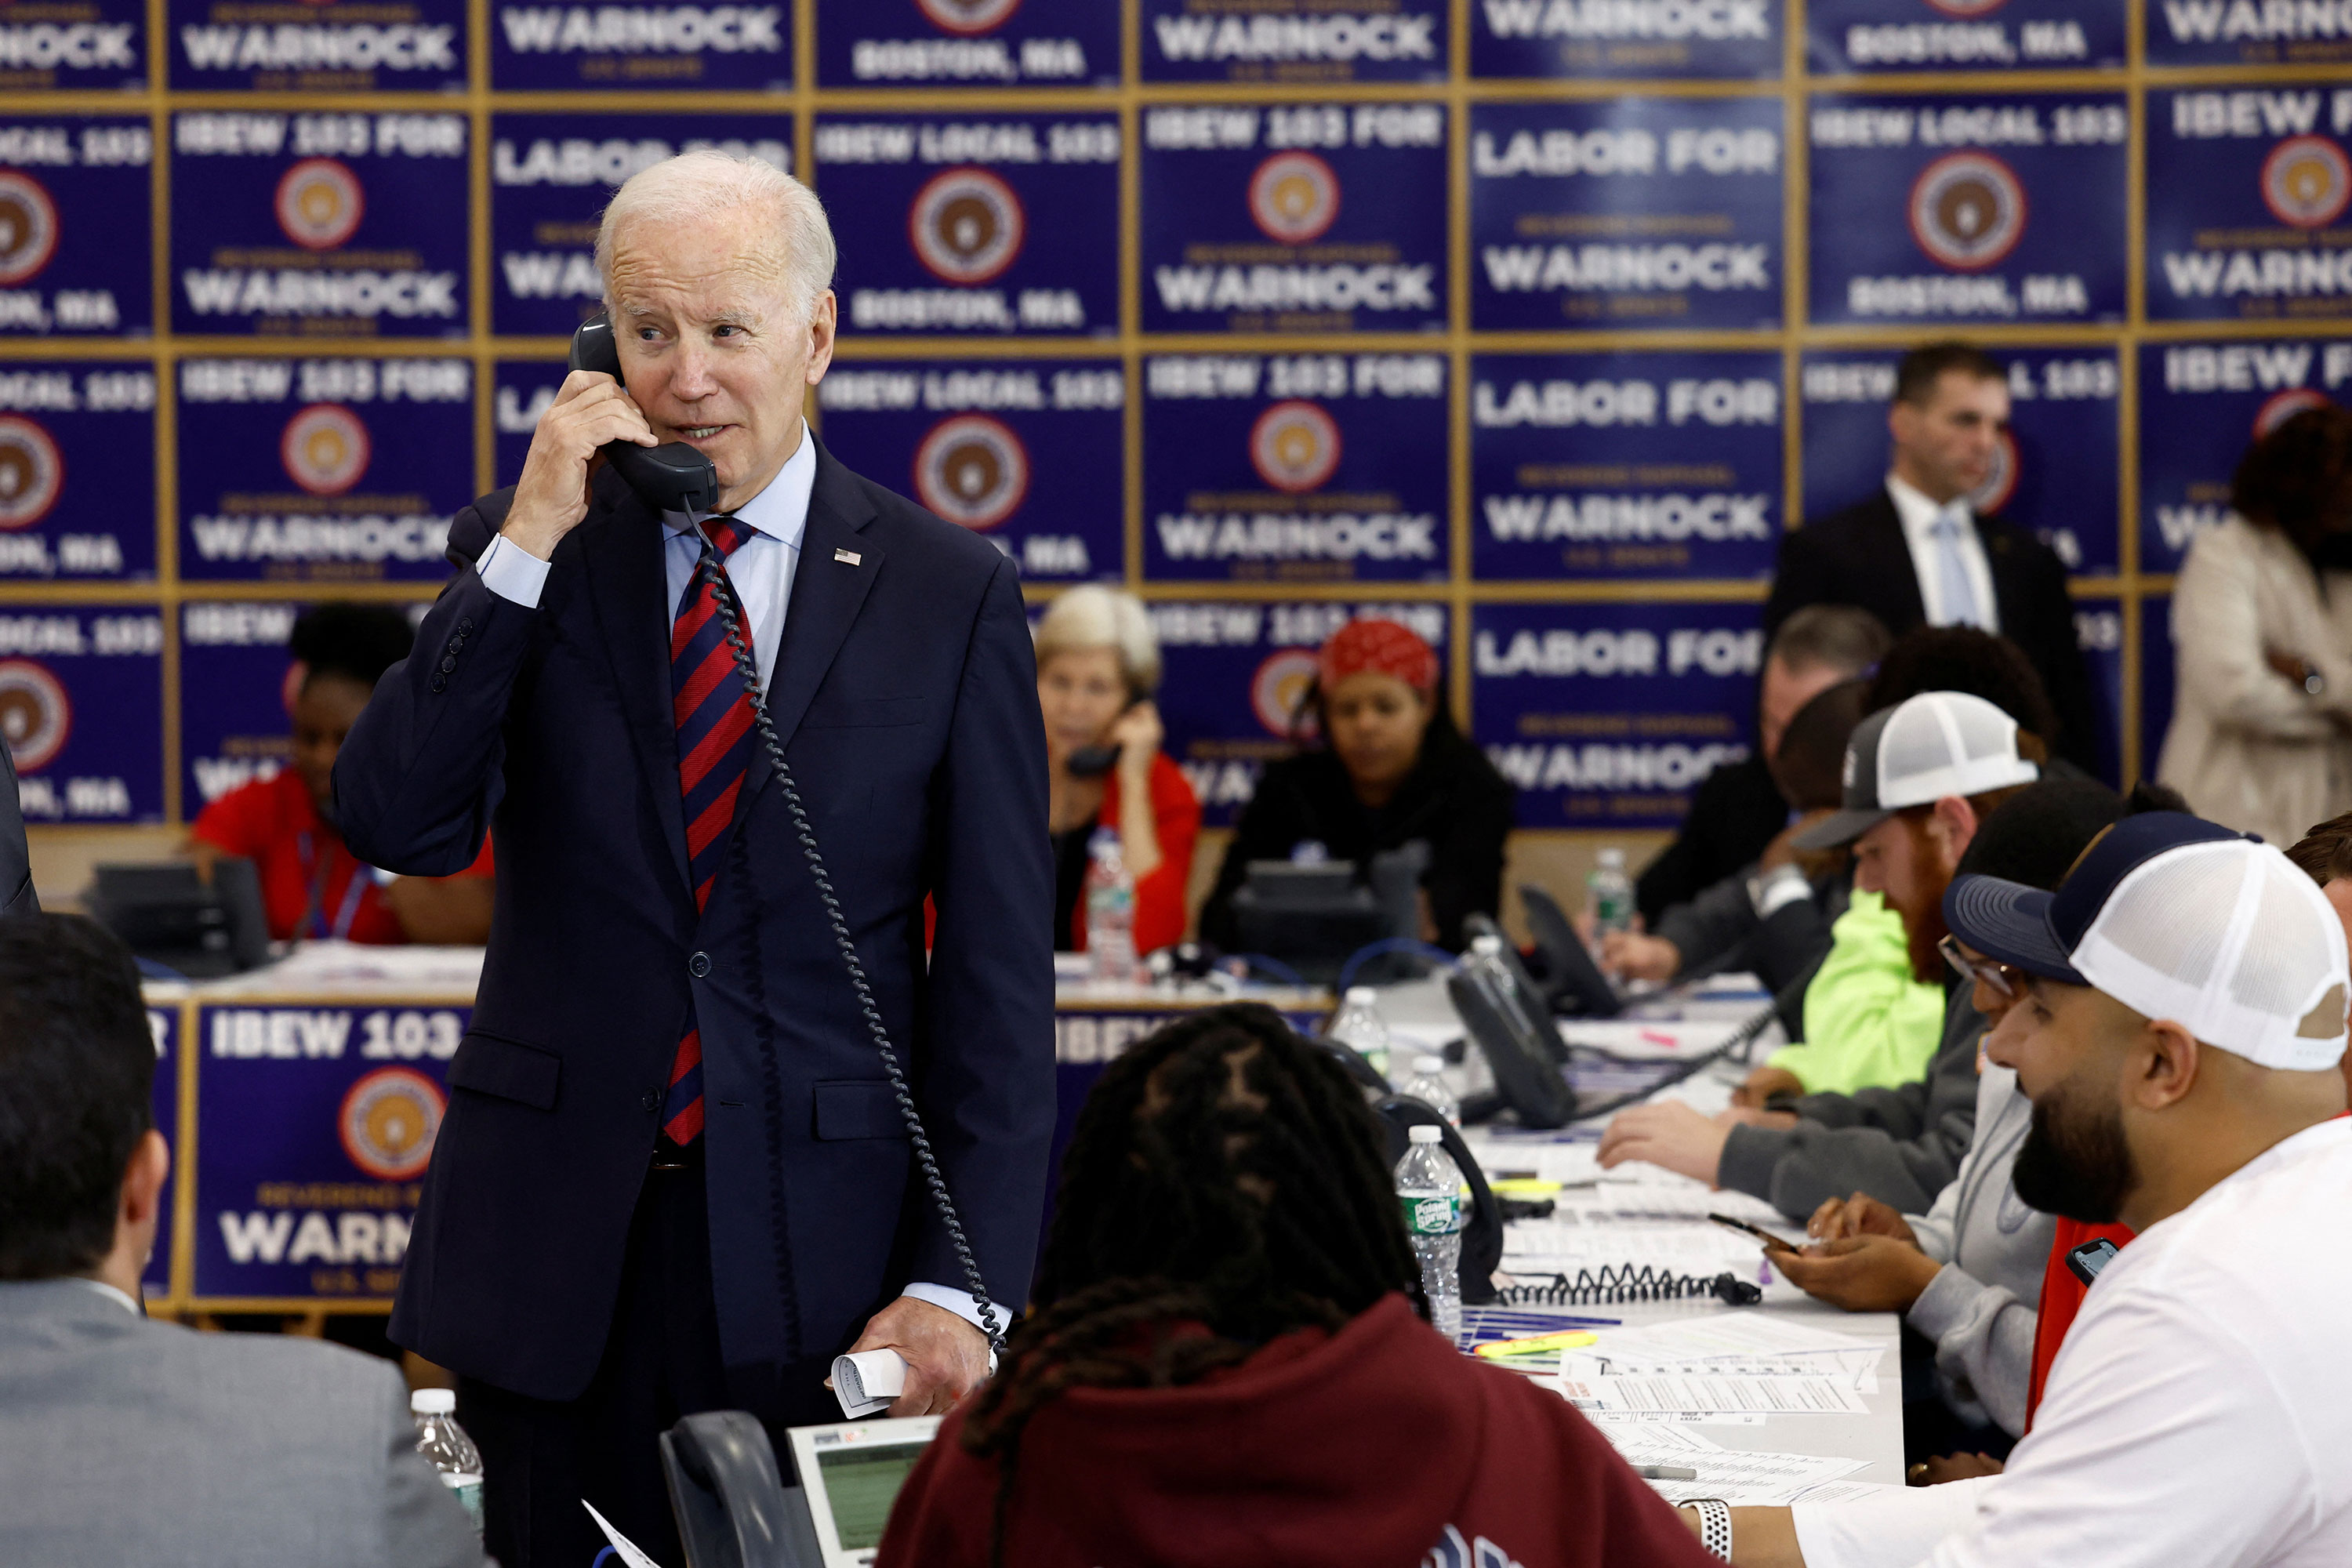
(1227, 1358)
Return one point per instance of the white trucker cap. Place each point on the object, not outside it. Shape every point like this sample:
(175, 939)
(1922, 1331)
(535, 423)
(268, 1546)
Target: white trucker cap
(1916, 752)
(2179, 919)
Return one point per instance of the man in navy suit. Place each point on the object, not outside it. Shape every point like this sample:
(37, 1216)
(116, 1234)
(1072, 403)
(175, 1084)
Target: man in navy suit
(674, 1176)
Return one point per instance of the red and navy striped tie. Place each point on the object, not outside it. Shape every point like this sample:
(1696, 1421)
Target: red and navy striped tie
(713, 713)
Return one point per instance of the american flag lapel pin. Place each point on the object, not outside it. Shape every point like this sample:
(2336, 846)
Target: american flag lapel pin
(848, 557)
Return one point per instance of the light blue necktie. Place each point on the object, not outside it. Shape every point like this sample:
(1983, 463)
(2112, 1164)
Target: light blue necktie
(1955, 593)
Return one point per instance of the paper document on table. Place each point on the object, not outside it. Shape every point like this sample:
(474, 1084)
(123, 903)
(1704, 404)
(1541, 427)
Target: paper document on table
(1733, 1333)
(623, 1548)
(1752, 1479)
(1772, 1395)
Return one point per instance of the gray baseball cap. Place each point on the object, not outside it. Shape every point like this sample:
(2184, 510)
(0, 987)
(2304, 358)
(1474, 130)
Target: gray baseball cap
(1916, 753)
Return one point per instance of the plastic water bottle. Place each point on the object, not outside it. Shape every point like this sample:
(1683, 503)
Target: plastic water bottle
(1428, 1086)
(446, 1448)
(1357, 1025)
(1608, 895)
(1110, 912)
(1429, 1187)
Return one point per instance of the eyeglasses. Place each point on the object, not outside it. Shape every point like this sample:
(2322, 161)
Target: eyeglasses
(1982, 971)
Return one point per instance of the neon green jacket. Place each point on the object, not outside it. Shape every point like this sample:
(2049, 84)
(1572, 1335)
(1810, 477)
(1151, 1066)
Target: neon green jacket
(1868, 1023)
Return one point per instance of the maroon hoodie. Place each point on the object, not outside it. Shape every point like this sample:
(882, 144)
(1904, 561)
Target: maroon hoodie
(1381, 1447)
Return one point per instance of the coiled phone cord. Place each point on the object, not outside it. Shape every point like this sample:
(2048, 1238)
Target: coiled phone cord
(731, 623)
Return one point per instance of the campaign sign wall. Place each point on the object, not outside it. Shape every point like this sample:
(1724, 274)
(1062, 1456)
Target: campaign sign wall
(76, 470)
(2247, 191)
(580, 43)
(77, 236)
(1024, 453)
(1609, 715)
(1587, 38)
(1964, 210)
(551, 175)
(81, 711)
(1628, 213)
(1629, 465)
(1295, 467)
(323, 46)
(2053, 472)
(1872, 37)
(1236, 674)
(2158, 680)
(91, 45)
(319, 224)
(322, 470)
(237, 689)
(2099, 632)
(2200, 406)
(314, 1127)
(2248, 32)
(525, 388)
(1288, 41)
(163, 1023)
(958, 223)
(1323, 217)
(966, 42)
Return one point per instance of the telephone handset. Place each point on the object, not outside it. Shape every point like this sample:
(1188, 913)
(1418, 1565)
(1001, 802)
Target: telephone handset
(1093, 762)
(677, 478)
(674, 476)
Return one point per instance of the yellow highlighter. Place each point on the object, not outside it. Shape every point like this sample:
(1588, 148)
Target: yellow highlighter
(1537, 1344)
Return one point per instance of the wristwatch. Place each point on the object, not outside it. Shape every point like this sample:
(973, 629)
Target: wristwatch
(1714, 1526)
(1776, 889)
(2313, 683)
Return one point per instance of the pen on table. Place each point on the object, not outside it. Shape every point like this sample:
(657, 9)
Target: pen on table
(1666, 1472)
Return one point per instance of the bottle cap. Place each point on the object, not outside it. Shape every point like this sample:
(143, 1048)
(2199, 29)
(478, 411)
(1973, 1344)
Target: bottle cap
(1431, 1066)
(1424, 1133)
(1614, 857)
(1488, 943)
(1362, 995)
(433, 1401)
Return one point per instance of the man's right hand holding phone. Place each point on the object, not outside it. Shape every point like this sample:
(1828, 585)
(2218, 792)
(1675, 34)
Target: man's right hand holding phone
(589, 409)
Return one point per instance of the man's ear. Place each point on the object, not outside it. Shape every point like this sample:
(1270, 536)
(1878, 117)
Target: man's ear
(821, 327)
(142, 1179)
(1953, 823)
(2162, 1065)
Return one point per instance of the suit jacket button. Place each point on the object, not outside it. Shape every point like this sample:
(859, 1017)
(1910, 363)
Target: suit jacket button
(440, 683)
(651, 1100)
(448, 665)
(466, 623)
(698, 965)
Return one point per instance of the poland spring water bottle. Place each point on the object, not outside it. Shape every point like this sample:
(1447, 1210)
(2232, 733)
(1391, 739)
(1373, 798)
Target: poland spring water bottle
(1357, 1025)
(1428, 1086)
(1429, 1187)
(446, 1448)
(1110, 912)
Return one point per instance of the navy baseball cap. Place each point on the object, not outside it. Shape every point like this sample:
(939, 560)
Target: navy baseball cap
(2038, 931)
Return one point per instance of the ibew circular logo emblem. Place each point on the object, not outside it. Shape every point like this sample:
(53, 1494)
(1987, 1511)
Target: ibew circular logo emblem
(319, 203)
(2282, 406)
(971, 471)
(388, 1123)
(1294, 197)
(31, 472)
(1295, 446)
(1967, 211)
(2307, 181)
(325, 448)
(967, 225)
(2000, 482)
(966, 16)
(35, 715)
(28, 227)
(1279, 687)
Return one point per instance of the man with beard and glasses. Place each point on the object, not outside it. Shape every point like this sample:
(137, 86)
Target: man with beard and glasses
(1919, 777)
(2181, 1040)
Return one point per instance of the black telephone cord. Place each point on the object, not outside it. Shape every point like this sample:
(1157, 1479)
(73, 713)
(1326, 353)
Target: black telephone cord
(731, 623)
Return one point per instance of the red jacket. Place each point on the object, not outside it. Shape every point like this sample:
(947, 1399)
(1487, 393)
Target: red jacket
(1381, 1446)
(1158, 898)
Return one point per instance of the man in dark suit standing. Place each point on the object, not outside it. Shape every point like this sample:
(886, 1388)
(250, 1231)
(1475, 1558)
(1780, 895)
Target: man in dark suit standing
(1915, 551)
(673, 1175)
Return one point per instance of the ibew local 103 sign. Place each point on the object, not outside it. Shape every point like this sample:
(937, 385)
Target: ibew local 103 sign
(551, 177)
(286, 224)
(314, 1129)
(1294, 467)
(965, 224)
(322, 470)
(1024, 453)
(1282, 217)
(76, 240)
(2247, 194)
(76, 470)
(1609, 715)
(2201, 404)
(81, 711)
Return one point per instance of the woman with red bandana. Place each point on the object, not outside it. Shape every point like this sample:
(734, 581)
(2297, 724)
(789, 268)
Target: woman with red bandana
(1392, 768)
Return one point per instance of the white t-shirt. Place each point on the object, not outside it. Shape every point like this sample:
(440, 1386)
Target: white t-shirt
(2200, 1412)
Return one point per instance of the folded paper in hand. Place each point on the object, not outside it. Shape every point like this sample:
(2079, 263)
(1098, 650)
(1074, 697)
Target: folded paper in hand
(867, 1381)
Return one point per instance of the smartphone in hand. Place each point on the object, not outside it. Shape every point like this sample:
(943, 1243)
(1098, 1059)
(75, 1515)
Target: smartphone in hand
(1772, 1243)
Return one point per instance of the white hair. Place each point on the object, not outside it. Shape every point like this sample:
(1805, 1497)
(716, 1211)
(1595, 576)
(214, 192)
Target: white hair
(700, 186)
(1092, 616)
